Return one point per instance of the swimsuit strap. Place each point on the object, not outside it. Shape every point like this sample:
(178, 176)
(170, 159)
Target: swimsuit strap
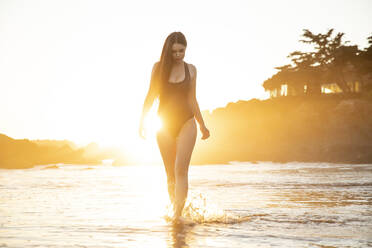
(187, 73)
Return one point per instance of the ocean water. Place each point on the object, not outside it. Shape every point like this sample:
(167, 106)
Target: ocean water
(235, 205)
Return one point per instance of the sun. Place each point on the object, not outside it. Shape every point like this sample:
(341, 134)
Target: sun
(152, 123)
(145, 150)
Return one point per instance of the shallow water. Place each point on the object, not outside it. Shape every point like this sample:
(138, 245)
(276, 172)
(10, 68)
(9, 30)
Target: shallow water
(235, 205)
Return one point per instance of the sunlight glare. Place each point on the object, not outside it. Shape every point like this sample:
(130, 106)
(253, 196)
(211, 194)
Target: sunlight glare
(146, 151)
(152, 123)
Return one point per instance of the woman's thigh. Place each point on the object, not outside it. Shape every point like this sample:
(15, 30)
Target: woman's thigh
(167, 147)
(185, 145)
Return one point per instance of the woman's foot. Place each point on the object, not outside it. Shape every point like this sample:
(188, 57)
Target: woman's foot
(177, 220)
(181, 221)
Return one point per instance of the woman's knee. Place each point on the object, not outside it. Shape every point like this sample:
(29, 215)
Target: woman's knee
(171, 180)
(181, 170)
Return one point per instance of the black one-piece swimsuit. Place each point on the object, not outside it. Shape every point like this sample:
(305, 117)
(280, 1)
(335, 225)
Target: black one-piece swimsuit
(174, 108)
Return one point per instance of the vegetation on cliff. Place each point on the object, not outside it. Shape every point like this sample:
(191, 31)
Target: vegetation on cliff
(332, 66)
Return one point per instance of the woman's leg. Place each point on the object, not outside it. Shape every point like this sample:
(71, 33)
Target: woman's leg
(185, 146)
(167, 147)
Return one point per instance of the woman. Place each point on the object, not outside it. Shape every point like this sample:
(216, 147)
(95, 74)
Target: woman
(173, 82)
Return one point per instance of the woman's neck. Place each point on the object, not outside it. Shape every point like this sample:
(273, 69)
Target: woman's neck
(178, 63)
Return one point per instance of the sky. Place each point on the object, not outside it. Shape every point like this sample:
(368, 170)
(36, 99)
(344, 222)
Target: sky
(80, 69)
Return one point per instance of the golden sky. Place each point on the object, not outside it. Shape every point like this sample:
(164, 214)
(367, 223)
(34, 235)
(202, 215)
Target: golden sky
(80, 70)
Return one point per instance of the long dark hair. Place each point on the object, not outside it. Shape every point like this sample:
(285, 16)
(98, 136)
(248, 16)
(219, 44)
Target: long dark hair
(166, 61)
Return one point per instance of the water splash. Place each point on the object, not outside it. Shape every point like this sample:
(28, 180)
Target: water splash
(200, 210)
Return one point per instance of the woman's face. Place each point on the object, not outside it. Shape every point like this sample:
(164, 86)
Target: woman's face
(178, 51)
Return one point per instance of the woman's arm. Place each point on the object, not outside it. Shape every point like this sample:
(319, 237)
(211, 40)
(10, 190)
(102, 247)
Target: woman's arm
(151, 94)
(149, 100)
(195, 106)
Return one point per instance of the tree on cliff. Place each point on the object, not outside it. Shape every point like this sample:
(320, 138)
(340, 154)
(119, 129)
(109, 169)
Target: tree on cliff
(329, 62)
(322, 61)
(365, 66)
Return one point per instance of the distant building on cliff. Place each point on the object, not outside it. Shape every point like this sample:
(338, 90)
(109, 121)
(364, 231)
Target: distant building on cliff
(312, 82)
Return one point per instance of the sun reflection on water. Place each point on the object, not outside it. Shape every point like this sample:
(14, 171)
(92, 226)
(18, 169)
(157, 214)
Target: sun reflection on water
(151, 185)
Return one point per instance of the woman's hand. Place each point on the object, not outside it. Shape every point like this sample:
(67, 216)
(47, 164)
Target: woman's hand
(141, 131)
(205, 132)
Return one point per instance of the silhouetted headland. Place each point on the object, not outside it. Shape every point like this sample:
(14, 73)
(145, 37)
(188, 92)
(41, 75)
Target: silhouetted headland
(325, 128)
(320, 110)
(24, 153)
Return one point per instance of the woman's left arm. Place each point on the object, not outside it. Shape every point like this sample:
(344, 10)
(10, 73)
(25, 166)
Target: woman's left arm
(195, 106)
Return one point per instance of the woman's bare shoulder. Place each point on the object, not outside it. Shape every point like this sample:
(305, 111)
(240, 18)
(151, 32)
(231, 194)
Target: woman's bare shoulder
(192, 69)
(154, 67)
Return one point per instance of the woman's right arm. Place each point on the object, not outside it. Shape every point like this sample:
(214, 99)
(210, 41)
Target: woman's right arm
(150, 97)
